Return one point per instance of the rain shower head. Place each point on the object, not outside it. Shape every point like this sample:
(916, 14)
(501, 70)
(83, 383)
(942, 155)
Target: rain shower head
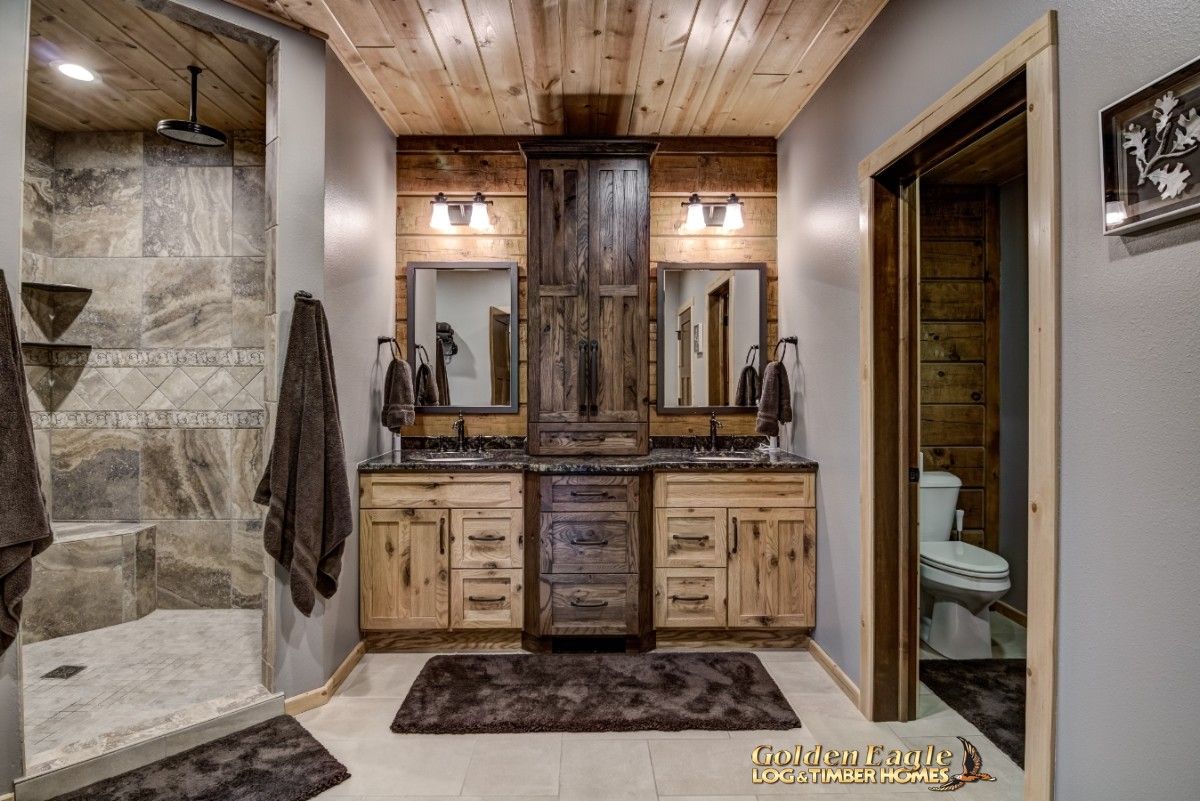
(192, 131)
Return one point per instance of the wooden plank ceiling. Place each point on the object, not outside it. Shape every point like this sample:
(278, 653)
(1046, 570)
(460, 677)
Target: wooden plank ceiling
(141, 61)
(596, 67)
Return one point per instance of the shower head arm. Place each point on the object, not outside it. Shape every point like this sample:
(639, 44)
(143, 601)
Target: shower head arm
(195, 71)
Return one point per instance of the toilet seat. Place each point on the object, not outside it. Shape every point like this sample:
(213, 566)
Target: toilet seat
(964, 559)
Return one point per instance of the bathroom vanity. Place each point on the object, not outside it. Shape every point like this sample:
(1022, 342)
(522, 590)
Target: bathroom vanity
(540, 551)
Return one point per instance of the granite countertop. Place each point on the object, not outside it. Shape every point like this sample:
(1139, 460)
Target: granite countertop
(512, 460)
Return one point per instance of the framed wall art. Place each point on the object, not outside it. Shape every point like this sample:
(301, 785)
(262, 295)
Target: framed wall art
(1150, 148)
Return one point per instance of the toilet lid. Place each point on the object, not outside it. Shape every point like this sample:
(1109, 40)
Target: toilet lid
(964, 559)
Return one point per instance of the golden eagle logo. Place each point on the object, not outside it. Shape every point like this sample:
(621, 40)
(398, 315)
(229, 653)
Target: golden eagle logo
(972, 770)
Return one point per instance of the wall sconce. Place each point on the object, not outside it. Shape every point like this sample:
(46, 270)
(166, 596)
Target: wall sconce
(1114, 210)
(445, 213)
(726, 214)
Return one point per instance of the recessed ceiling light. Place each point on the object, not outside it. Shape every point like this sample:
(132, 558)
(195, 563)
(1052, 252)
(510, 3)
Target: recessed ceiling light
(76, 71)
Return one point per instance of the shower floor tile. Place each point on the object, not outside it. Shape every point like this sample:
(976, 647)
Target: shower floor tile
(136, 672)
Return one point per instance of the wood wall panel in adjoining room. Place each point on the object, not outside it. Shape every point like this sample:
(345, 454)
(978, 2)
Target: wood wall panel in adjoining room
(461, 166)
(960, 349)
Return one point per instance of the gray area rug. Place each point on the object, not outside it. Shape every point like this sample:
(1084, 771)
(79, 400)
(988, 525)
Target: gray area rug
(276, 760)
(491, 694)
(989, 693)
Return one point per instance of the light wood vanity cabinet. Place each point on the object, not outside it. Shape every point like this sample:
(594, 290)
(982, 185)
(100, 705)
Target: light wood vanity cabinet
(431, 558)
(744, 559)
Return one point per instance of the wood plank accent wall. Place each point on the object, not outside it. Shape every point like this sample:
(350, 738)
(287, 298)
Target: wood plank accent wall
(461, 166)
(960, 349)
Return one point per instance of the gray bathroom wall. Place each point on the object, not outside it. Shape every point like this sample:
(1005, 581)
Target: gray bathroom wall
(1014, 388)
(14, 37)
(1127, 691)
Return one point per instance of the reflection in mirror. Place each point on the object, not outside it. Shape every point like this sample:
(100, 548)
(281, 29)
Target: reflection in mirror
(713, 328)
(462, 335)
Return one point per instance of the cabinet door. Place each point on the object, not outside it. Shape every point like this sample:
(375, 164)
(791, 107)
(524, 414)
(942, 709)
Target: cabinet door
(619, 218)
(771, 559)
(558, 290)
(404, 569)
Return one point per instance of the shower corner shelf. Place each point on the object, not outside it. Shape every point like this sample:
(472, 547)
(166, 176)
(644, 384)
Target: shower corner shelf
(56, 289)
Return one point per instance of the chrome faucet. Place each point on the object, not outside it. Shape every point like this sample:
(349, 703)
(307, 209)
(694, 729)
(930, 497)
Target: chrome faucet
(460, 431)
(713, 425)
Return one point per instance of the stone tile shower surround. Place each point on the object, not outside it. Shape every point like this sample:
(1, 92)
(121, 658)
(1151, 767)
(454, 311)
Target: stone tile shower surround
(161, 420)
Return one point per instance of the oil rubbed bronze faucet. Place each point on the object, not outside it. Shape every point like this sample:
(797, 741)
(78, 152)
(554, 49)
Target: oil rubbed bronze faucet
(460, 431)
(713, 425)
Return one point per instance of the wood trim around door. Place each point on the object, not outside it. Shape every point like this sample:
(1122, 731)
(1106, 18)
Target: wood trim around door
(882, 431)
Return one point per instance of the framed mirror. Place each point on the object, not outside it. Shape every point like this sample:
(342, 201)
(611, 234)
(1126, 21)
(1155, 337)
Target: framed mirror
(462, 336)
(712, 337)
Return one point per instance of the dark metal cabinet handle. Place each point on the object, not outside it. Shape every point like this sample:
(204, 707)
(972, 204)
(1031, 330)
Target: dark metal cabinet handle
(588, 604)
(589, 493)
(690, 537)
(692, 599)
(592, 541)
(442, 535)
(594, 373)
(485, 599)
(486, 537)
(585, 377)
(734, 543)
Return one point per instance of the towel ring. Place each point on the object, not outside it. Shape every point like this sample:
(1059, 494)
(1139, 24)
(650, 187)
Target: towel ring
(393, 346)
(750, 354)
(785, 341)
(422, 354)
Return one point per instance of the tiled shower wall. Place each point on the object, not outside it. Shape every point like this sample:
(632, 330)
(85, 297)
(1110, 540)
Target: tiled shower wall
(161, 420)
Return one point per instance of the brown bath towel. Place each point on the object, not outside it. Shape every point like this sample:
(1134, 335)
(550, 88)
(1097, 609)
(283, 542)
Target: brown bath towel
(24, 522)
(775, 403)
(439, 373)
(305, 487)
(398, 397)
(747, 387)
(424, 389)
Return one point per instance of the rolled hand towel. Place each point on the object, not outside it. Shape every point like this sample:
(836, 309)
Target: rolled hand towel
(775, 403)
(439, 373)
(424, 389)
(747, 387)
(398, 396)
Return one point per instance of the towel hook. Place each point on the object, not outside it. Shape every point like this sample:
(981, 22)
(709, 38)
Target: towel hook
(750, 353)
(785, 341)
(393, 345)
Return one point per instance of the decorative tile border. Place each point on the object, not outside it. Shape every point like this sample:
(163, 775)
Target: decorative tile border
(150, 419)
(160, 357)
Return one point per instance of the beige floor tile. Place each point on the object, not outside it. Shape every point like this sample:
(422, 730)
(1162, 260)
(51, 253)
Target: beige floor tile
(514, 764)
(402, 764)
(351, 717)
(607, 770)
(721, 768)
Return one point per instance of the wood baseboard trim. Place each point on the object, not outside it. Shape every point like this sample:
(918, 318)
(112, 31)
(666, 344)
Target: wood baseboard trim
(320, 696)
(6, 797)
(477, 640)
(1012, 613)
(732, 638)
(835, 672)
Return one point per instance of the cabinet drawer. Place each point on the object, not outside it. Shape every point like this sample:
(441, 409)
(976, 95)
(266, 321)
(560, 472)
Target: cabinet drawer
(690, 537)
(588, 542)
(441, 490)
(487, 538)
(486, 599)
(584, 439)
(689, 598)
(582, 605)
(590, 493)
(764, 490)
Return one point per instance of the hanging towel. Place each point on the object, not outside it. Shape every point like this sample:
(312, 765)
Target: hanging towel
(398, 396)
(775, 404)
(439, 372)
(24, 522)
(305, 486)
(747, 387)
(424, 389)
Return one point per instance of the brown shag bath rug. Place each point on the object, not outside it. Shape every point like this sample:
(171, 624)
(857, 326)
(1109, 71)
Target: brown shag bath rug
(276, 760)
(989, 693)
(465, 694)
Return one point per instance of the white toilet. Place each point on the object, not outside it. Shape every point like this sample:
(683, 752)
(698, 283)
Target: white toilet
(959, 581)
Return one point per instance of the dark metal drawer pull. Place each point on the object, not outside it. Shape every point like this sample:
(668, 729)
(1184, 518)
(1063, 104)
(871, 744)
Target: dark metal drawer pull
(589, 493)
(485, 537)
(442, 536)
(690, 537)
(488, 599)
(597, 543)
(588, 604)
(690, 599)
(734, 544)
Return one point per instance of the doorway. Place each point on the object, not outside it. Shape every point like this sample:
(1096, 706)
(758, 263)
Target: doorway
(718, 344)
(685, 355)
(1019, 82)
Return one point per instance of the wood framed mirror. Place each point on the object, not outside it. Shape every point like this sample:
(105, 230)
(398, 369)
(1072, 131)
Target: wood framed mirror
(462, 336)
(712, 341)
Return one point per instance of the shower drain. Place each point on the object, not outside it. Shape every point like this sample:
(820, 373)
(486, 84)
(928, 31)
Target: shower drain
(64, 672)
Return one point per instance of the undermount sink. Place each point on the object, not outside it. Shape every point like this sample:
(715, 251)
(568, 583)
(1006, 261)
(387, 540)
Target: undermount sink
(453, 456)
(728, 456)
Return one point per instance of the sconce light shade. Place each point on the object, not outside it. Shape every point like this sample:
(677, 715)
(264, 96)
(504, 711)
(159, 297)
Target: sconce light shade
(439, 218)
(479, 213)
(1114, 210)
(733, 214)
(695, 214)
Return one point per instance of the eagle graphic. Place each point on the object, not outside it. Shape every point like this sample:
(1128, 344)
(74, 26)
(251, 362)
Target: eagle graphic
(972, 770)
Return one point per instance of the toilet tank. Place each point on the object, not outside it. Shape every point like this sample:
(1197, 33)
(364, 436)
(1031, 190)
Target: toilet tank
(938, 498)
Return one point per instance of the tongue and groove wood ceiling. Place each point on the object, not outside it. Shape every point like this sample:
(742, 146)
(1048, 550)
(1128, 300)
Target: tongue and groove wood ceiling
(594, 67)
(140, 59)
